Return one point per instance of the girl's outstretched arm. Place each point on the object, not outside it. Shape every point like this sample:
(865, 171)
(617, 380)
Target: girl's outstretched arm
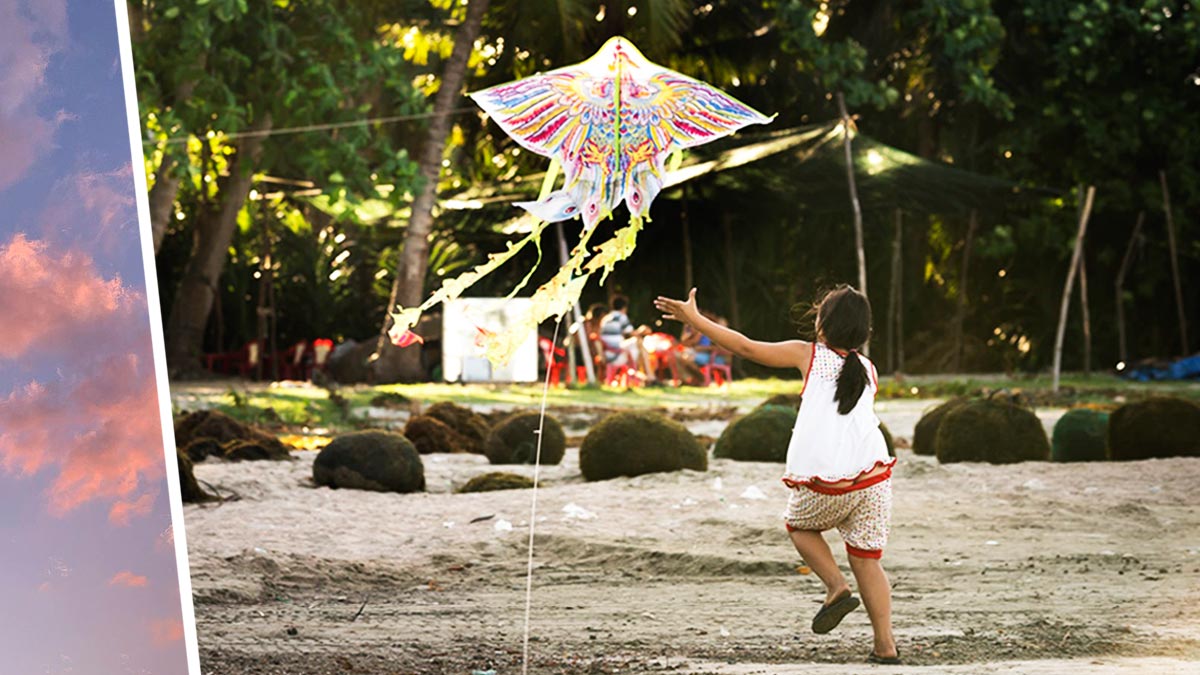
(787, 354)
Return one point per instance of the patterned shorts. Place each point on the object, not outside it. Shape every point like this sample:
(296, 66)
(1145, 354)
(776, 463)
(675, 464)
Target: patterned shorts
(863, 517)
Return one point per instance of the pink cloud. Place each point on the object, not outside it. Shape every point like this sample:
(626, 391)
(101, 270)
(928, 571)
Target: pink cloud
(164, 632)
(51, 299)
(29, 37)
(102, 435)
(166, 541)
(43, 587)
(128, 580)
(98, 427)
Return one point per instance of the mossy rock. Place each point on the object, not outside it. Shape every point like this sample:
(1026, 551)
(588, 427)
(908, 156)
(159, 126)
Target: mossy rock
(225, 430)
(925, 433)
(430, 435)
(761, 436)
(1156, 427)
(786, 400)
(497, 480)
(256, 449)
(888, 440)
(996, 432)
(391, 399)
(370, 460)
(466, 422)
(200, 449)
(1080, 435)
(189, 487)
(636, 443)
(514, 441)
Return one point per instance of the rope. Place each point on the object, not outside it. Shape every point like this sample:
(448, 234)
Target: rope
(537, 467)
(315, 127)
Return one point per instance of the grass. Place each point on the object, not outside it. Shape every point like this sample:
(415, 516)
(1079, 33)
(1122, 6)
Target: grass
(309, 406)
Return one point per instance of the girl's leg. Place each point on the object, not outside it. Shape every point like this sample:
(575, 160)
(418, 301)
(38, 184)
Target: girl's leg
(876, 593)
(812, 547)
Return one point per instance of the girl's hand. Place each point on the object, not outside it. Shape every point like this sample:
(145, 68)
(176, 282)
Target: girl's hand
(684, 311)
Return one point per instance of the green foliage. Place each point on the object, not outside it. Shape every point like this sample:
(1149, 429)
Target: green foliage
(1080, 436)
(761, 436)
(991, 431)
(636, 443)
(514, 440)
(1156, 427)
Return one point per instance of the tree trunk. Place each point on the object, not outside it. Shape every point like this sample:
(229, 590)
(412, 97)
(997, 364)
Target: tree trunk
(194, 298)
(1183, 336)
(1087, 317)
(962, 291)
(735, 318)
(1066, 294)
(391, 363)
(166, 181)
(1122, 347)
(689, 279)
(858, 224)
(895, 337)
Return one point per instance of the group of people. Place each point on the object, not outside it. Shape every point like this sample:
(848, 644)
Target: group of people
(648, 355)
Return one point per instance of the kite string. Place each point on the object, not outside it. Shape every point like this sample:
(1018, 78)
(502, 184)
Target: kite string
(537, 466)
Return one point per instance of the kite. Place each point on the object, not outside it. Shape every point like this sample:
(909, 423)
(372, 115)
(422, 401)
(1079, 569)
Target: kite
(610, 123)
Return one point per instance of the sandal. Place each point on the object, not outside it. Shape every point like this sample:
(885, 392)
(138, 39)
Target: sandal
(884, 660)
(832, 614)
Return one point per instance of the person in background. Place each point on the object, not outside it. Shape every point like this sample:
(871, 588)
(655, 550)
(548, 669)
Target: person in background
(622, 342)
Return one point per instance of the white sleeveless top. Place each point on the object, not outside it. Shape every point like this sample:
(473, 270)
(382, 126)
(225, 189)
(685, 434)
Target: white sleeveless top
(826, 445)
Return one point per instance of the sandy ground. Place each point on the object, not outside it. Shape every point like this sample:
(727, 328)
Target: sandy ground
(1033, 568)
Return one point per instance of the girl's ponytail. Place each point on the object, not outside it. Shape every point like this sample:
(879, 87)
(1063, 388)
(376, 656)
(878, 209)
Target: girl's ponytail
(850, 383)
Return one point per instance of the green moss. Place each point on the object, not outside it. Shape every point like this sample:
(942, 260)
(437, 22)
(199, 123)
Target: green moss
(370, 460)
(1156, 427)
(467, 423)
(1080, 435)
(786, 400)
(636, 443)
(925, 433)
(497, 480)
(997, 432)
(430, 435)
(255, 449)
(761, 436)
(227, 432)
(514, 440)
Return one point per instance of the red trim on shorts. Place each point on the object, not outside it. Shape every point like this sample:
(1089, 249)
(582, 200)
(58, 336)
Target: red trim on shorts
(862, 553)
(857, 485)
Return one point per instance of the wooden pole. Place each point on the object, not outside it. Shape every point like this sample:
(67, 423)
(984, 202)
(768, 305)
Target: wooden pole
(1087, 319)
(689, 280)
(972, 223)
(1066, 295)
(581, 335)
(894, 335)
(847, 124)
(1183, 336)
(1123, 350)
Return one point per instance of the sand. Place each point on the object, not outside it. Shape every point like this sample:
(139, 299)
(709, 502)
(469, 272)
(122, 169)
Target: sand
(1029, 568)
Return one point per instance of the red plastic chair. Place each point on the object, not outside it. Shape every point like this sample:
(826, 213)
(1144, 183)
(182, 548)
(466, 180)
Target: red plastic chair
(713, 372)
(291, 366)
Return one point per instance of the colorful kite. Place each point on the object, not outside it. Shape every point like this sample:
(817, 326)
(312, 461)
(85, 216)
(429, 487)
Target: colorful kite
(610, 122)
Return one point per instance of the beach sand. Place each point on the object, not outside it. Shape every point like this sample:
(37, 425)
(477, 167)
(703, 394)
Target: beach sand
(1027, 568)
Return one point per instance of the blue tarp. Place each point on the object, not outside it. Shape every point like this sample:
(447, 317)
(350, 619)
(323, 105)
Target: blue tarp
(1186, 368)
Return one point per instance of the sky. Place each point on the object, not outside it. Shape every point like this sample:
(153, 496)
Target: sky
(88, 580)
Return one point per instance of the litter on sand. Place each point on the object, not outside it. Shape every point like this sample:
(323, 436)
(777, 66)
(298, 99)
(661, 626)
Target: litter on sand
(503, 526)
(753, 492)
(577, 512)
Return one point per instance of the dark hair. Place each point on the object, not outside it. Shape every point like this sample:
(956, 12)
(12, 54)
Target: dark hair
(620, 302)
(844, 323)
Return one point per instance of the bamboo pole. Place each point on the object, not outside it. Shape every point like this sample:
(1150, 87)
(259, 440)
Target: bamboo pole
(1066, 295)
(1183, 336)
(847, 123)
(689, 281)
(894, 335)
(585, 349)
(1122, 348)
(1087, 319)
(972, 224)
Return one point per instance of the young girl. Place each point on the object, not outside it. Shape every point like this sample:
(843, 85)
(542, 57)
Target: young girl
(838, 469)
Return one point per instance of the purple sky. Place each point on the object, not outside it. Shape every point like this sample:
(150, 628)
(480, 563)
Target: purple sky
(88, 581)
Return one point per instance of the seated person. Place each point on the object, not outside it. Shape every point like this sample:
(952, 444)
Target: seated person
(622, 342)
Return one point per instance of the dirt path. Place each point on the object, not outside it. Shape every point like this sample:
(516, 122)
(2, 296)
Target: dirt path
(1091, 566)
